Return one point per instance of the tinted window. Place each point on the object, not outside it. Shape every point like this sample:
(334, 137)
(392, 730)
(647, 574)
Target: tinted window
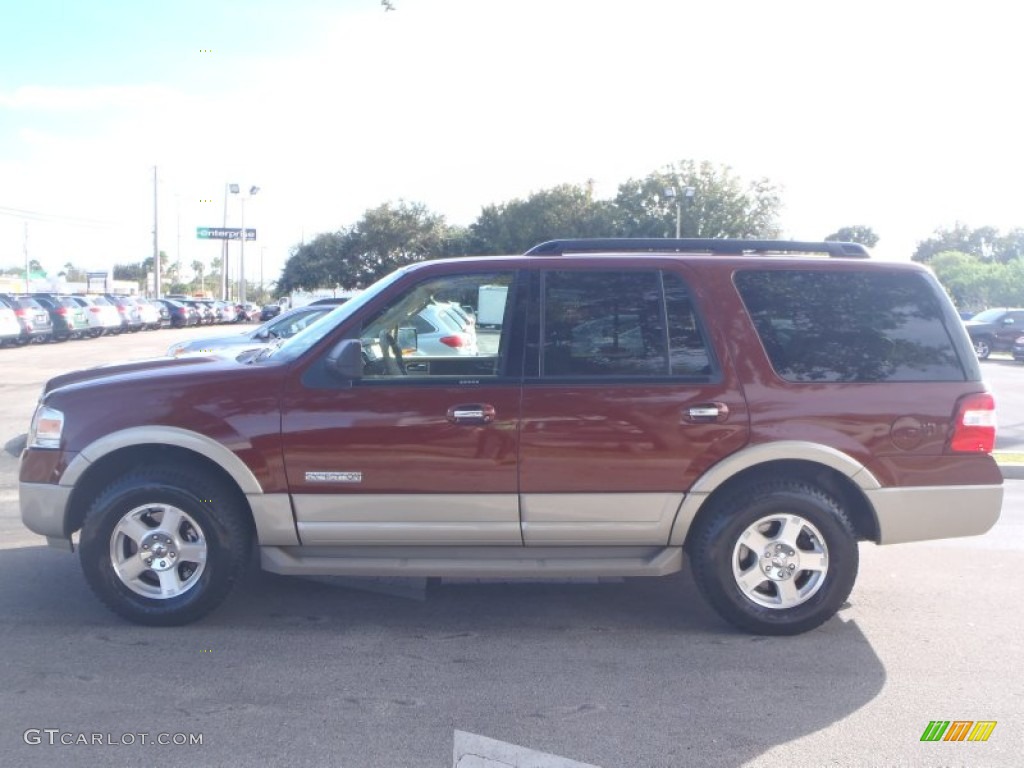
(619, 324)
(850, 326)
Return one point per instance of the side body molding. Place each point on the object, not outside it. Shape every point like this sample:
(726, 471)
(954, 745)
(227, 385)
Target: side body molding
(753, 455)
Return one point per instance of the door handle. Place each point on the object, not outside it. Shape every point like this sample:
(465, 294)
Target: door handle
(706, 413)
(479, 413)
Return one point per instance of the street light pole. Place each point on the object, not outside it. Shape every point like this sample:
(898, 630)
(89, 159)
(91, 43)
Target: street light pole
(241, 238)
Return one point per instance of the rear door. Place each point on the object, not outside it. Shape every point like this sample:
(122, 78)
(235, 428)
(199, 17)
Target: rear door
(624, 405)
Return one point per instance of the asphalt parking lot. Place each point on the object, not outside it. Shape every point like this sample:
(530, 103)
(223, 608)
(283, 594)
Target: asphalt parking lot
(617, 674)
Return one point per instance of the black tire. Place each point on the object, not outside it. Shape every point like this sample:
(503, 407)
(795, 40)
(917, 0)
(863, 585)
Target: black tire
(212, 522)
(816, 595)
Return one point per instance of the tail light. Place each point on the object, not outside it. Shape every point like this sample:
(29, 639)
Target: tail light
(62, 310)
(453, 341)
(20, 312)
(974, 429)
(94, 309)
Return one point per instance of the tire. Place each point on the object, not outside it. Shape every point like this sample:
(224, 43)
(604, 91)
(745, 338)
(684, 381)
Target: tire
(752, 556)
(197, 559)
(982, 348)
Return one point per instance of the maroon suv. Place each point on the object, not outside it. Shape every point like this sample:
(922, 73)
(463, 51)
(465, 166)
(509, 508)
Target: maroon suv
(755, 407)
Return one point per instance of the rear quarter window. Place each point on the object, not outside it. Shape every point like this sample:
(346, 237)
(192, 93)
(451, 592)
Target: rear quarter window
(843, 326)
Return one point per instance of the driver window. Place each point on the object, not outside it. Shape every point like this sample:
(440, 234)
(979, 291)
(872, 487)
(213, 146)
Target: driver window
(446, 326)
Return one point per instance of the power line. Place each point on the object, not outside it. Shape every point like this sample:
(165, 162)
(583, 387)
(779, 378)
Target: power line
(53, 218)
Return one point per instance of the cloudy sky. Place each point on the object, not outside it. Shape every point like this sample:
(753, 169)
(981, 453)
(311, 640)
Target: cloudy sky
(902, 115)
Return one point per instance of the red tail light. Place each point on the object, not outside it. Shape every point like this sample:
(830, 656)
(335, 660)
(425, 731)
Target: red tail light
(974, 430)
(62, 310)
(20, 312)
(453, 341)
(94, 309)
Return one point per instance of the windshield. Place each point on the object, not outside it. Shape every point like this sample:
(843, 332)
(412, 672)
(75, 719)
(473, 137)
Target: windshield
(290, 349)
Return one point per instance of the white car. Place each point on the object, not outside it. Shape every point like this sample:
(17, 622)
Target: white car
(10, 328)
(102, 315)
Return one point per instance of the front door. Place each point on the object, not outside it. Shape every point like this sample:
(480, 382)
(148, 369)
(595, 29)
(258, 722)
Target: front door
(423, 448)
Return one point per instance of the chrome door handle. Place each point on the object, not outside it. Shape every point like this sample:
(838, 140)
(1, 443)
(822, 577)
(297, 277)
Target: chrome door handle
(478, 413)
(705, 413)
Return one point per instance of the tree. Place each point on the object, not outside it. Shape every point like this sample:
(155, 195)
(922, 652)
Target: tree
(567, 210)
(858, 233)
(721, 204)
(386, 238)
(197, 269)
(985, 243)
(975, 284)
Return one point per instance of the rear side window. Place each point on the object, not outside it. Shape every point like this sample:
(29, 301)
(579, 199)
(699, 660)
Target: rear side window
(850, 326)
(614, 324)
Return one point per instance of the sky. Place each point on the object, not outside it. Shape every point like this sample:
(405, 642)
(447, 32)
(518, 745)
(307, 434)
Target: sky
(902, 116)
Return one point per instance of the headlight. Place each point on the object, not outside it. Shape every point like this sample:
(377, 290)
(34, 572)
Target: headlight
(47, 427)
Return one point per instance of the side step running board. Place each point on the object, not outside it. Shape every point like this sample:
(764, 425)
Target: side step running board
(473, 562)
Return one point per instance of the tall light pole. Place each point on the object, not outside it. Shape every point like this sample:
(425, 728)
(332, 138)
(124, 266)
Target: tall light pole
(225, 281)
(673, 194)
(241, 239)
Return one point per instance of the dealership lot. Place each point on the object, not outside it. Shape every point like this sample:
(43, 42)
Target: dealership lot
(631, 673)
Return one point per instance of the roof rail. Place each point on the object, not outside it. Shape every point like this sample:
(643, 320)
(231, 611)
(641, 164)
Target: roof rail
(833, 249)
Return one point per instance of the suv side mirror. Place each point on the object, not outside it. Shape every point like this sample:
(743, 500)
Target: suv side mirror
(345, 360)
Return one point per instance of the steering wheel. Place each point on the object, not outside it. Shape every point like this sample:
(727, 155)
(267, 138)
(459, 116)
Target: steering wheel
(391, 354)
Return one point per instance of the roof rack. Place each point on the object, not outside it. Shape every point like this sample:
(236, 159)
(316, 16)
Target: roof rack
(833, 249)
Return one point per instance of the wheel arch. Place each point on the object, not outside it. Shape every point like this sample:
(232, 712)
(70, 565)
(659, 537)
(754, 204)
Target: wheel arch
(113, 455)
(819, 465)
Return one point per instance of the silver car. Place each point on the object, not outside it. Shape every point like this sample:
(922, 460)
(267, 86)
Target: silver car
(281, 327)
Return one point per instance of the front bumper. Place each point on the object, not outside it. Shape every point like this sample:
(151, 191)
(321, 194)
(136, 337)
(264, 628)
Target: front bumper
(43, 508)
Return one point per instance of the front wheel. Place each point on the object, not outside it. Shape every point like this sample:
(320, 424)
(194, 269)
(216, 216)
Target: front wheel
(982, 348)
(164, 547)
(777, 558)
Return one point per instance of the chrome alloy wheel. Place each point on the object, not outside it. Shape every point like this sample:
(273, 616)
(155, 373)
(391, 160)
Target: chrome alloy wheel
(780, 561)
(158, 551)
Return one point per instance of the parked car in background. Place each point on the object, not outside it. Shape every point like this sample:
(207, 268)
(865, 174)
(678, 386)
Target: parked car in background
(10, 328)
(128, 310)
(32, 316)
(247, 312)
(442, 328)
(269, 310)
(102, 316)
(282, 327)
(995, 330)
(181, 315)
(148, 313)
(68, 318)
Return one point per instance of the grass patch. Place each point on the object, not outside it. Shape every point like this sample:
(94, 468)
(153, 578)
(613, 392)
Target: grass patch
(1008, 457)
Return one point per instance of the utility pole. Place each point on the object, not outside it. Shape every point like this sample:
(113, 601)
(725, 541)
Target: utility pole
(25, 249)
(156, 249)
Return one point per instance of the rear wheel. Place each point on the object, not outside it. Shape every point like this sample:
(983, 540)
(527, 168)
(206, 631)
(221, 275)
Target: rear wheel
(777, 558)
(164, 546)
